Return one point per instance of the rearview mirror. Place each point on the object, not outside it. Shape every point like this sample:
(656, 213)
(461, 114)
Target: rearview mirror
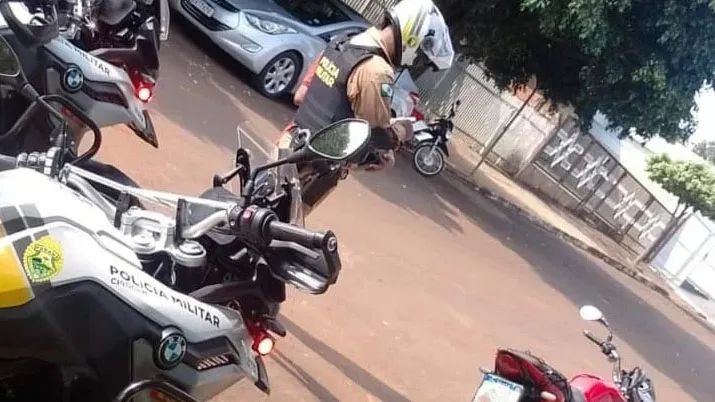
(590, 313)
(341, 140)
(337, 142)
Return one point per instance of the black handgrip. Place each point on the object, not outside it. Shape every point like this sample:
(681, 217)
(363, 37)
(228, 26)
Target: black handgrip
(287, 232)
(7, 162)
(30, 35)
(593, 338)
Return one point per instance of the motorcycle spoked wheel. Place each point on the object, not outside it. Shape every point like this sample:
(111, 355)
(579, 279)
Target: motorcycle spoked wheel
(426, 162)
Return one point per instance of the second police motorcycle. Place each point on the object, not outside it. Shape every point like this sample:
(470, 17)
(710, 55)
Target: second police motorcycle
(108, 92)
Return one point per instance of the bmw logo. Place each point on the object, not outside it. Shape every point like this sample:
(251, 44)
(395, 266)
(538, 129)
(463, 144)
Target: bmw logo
(170, 351)
(72, 79)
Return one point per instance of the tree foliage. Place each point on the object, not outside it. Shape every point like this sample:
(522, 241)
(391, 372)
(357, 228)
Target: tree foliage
(693, 183)
(706, 150)
(639, 62)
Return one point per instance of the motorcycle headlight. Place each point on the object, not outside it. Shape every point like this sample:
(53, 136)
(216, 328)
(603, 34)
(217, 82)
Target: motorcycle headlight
(267, 26)
(448, 134)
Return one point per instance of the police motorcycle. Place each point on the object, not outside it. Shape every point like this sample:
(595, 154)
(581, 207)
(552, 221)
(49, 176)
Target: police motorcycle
(429, 143)
(105, 302)
(126, 33)
(106, 93)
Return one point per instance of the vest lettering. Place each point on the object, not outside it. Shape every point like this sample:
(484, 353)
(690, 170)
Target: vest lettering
(326, 100)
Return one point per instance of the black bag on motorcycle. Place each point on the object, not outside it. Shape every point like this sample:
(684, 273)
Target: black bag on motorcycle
(533, 373)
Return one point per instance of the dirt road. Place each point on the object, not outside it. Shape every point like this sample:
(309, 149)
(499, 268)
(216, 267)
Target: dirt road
(434, 278)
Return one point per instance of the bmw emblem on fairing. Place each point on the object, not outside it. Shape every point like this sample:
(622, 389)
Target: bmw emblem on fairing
(73, 79)
(170, 351)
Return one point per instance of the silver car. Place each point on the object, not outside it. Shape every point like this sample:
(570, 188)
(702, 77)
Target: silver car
(275, 39)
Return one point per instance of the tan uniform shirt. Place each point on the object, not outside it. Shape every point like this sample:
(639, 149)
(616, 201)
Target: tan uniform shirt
(370, 84)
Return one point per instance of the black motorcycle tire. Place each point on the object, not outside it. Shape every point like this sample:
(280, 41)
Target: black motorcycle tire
(417, 154)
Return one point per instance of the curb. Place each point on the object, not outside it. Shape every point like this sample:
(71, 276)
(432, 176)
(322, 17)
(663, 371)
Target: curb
(618, 265)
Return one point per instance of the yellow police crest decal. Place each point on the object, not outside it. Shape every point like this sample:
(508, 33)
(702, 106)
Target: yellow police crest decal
(43, 259)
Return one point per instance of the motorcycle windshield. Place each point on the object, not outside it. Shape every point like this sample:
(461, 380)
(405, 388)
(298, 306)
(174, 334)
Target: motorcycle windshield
(262, 152)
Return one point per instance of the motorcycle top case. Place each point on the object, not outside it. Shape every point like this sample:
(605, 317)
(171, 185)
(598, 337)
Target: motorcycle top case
(72, 292)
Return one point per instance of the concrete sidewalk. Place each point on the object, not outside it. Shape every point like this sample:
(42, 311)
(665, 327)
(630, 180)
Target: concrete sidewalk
(500, 188)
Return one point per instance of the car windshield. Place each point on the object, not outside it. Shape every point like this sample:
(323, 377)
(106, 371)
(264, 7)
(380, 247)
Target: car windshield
(315, 13)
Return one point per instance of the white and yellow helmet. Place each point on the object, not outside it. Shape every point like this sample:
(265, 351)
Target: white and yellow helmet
(422, 28)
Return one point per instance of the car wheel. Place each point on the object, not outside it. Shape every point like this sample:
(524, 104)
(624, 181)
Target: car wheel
(279, 75)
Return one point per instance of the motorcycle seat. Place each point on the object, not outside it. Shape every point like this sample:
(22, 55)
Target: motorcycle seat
(577, 395)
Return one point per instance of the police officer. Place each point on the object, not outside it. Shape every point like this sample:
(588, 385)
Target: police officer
(353, 77)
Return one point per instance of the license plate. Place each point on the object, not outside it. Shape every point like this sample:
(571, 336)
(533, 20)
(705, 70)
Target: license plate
(202, 6)
(496, 389)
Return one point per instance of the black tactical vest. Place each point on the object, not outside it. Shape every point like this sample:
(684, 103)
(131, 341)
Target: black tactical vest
(327, 100)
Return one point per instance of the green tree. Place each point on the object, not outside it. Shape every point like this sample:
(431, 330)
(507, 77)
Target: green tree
(692, 183)
(639, 62)
(706, 150)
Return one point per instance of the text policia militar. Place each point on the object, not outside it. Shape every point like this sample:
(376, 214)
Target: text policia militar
(127, 280)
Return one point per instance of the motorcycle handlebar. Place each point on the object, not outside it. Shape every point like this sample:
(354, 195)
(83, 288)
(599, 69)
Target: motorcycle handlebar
(253, 224)
(593, 338)
(287, 232)
(259, 226)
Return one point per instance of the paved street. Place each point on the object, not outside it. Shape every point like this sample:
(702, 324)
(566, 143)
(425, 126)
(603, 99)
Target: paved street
(434, 279)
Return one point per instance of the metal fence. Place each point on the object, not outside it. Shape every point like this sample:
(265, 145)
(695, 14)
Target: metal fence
(578, 172)
(483, 113)
(372, 10)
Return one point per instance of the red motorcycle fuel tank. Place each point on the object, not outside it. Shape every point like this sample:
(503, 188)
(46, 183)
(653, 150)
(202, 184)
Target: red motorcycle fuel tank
(596, 389)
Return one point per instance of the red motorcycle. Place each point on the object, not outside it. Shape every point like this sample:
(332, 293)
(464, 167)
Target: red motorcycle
(522, 377)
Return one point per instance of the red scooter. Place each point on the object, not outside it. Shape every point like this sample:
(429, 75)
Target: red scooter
(522, 377)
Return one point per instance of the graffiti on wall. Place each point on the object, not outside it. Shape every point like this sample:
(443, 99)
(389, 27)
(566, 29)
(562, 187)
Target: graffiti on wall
(590, 170)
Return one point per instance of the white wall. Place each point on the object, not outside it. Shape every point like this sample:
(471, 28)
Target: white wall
(677, 256)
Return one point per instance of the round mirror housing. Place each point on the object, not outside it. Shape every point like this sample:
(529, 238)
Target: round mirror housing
(590, 313)
(341, 140)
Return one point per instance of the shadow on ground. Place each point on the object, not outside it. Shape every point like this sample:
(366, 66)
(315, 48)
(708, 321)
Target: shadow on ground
(396, 186)
(675, 352)
(308, 381)
(355, 373)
